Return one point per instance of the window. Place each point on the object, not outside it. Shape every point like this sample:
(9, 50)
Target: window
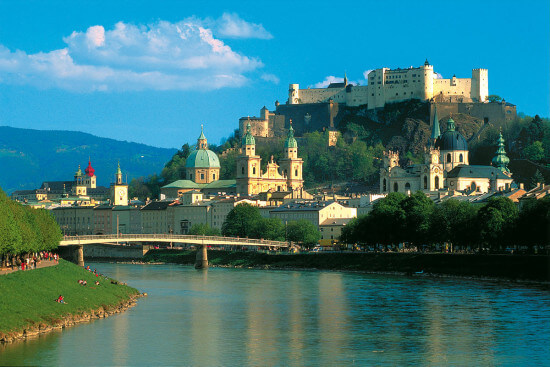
(242, 170)
(202, 176)
(407, 187)
(253, 170)
(448, 157)
(296, 173)
(384, 186)
(461, 158)
(395, 187)
(425, 182)
(437, 182)
(213, 176)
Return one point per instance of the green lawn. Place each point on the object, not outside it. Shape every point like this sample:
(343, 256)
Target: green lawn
(29, 297)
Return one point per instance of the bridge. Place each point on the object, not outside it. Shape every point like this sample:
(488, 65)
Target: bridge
(202, 241)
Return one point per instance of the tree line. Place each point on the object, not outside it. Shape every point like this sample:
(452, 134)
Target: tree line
(245, 221)
(25, 230)
(417, 222)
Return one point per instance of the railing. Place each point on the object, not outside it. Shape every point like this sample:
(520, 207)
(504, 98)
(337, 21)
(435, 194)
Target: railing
(176, 238)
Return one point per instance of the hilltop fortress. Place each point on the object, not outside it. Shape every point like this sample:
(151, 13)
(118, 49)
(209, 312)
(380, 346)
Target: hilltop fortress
(316, 109)
(386, 85)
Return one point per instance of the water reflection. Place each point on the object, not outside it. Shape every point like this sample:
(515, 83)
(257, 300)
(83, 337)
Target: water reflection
(254, 317)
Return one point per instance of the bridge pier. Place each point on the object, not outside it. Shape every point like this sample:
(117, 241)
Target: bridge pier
(201, 261)
(79, 255)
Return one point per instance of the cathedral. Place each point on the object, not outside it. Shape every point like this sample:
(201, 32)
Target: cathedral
(446, 167)
(287, 177)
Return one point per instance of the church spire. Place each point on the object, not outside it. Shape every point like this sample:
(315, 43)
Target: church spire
(345, 79)
(501, 160)
(202, 143)
(436, 132)
(248, 138)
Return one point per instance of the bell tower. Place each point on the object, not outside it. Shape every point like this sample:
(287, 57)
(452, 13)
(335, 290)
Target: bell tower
(291, 165)
(248, 166)
(119, 189)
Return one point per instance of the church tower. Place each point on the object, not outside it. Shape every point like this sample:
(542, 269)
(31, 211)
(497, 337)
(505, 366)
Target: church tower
(89, 177)
(119, 189)
(248, 166)
(79, 188)
(501, 160)
(291, 164)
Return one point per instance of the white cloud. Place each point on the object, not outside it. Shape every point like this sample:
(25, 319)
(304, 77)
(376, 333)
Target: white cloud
(271, 78)
(438, 76)
(160, 56)
(230, 25)
(325, 83)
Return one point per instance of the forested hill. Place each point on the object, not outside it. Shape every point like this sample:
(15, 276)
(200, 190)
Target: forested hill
(29, 157)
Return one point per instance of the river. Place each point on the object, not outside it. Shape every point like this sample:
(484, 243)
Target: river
(234, 317)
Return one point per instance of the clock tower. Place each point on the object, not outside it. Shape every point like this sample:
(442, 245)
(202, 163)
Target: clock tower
(119, 190)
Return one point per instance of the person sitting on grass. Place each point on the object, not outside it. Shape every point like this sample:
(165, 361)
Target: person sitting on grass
(96, 282)
(60, 299)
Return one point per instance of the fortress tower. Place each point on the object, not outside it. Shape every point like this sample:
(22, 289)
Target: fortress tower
(294, 94)
(480, 84)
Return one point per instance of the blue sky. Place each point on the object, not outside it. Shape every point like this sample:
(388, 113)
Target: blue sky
(153, 72)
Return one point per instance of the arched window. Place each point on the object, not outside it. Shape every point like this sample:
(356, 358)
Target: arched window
(425, 182)
(395, 187)
(448, 157)
(242, 170)
(437, 182)
(384, 186)
(461, 158)
(407, 187)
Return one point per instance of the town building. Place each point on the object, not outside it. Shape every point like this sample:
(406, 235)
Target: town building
(314, 212)
(252, 181)
(446, 167)
(119, 189)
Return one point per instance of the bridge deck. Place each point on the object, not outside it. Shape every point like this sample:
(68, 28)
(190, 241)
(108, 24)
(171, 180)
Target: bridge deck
(187, 239)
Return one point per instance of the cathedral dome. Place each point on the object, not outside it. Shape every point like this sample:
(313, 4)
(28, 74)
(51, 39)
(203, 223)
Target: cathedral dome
(202, 158)
(451, 139)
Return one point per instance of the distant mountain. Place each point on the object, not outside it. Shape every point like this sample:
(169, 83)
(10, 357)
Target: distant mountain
(29, 157)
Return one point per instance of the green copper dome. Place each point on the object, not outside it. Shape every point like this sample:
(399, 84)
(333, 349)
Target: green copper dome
(290, 142)
(248, 139)
(501, 160)
(202, 158)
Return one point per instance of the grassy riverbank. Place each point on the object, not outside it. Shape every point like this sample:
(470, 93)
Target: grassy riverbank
(517, 267)
(27, 298)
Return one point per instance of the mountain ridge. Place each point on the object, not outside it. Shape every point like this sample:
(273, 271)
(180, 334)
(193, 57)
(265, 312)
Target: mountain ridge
(30, 156)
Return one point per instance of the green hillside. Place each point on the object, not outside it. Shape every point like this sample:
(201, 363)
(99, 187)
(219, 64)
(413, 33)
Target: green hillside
(29, 157)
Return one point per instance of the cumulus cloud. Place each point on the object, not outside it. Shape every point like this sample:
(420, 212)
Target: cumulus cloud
(160, 56)
(270, 78)
(230, 25)
(325, 83)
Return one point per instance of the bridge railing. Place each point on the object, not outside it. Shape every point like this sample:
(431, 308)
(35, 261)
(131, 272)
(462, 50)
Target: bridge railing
(176, 238)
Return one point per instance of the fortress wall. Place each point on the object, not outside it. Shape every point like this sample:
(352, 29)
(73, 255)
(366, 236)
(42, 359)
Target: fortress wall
(456, 86)
(317, 95)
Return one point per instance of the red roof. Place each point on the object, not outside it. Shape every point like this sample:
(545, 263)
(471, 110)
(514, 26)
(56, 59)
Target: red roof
(89, 170)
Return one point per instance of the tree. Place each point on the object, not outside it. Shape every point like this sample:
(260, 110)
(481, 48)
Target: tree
(203, 229)
(418, 210)
(497, 220)
(493, 98)
(241, 220)
(386, 221)
(534, 152)
(269, 229)
(533, 225)
(537, 178)
(304, 232)
(453, 221)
